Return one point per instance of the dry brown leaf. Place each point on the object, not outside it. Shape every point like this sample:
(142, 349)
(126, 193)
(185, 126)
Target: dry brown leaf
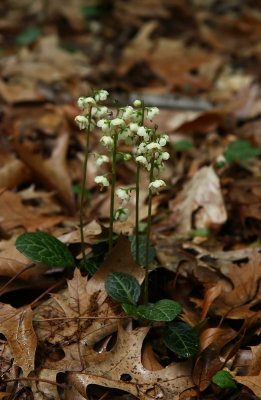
(87, 299)
(14, 214)
(16, 325)
(13, 173)
(252, 382)
(245, 291)
(108, 370)
(203, 196)
(52, 172)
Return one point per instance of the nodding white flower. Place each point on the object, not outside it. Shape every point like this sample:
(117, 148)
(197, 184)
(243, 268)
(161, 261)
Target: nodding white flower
(102, 159)
(142, 160)
(151, 112)
(101, 95)
(133, 126)
(157, 184)
(101, 111)
(121, 214)
(125, 112)
(123, 194)
(142, 131)
(81, 121)
(84, 102)
(163, 139)
(107, 141)
(102, 181)
(117, 122)
(142, 148)
(165, 155)
(125, 133)
(153, 146)
(104, 124)
(137, 103)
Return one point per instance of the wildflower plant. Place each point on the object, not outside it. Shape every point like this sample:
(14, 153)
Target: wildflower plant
(133, 126)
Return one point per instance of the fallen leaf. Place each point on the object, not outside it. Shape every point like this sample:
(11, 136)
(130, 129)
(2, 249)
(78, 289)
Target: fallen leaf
(202, 196)
(16, 325)
(110, 368)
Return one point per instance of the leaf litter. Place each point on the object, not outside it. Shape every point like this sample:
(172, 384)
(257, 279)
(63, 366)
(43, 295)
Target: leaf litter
(77, 342)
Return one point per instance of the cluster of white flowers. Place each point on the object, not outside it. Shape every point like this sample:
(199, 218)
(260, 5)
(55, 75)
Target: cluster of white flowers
(91, 109)
(127, 126)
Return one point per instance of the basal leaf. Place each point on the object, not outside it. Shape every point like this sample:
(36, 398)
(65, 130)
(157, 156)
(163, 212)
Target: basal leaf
(163, 310)
(241, 150)
(142, 249)
(123, 287)
(224, 380)
(181, 339)
(44, 248)
(28, 36)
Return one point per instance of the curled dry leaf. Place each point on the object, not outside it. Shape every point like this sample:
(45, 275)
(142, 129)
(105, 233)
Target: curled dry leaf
(203, 196)
(16, 325)
(109, 369)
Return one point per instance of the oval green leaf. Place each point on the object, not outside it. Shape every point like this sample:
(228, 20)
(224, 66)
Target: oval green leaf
(122, 287)
(44, 248)
(181, 339)
(142, 249)
(163, 310)
(224, 380)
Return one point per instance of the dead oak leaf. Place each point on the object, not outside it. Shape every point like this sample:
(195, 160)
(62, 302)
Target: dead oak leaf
(84, 312)
(16, 325)
(237, 301)
(110, 368)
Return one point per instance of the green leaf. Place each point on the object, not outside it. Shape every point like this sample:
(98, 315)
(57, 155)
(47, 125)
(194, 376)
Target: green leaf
(130, 309)
(163, 310)
(44, 248)
(181, 339)
(241, 150)
(28, 36)
(142, 249)
(182, 145)
(224, 380)
(123, 287)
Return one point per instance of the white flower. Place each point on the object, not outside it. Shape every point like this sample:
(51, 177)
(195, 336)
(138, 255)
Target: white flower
(141, 148)
(121, 214)
(142, 131)
(133, 126)
(117, 122)
(125, 112)
(102, 159)
(157, 184)
(107, 141)
(84, 102)
(142, 160)
(125, 133)
(81, 121)
(102, 180)
(101, 111)
(165, 155)
(163, 139)
(104, 124)
(151, 112)
(101, 95)
(123, 194)
(137, 103)
(153, 146)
